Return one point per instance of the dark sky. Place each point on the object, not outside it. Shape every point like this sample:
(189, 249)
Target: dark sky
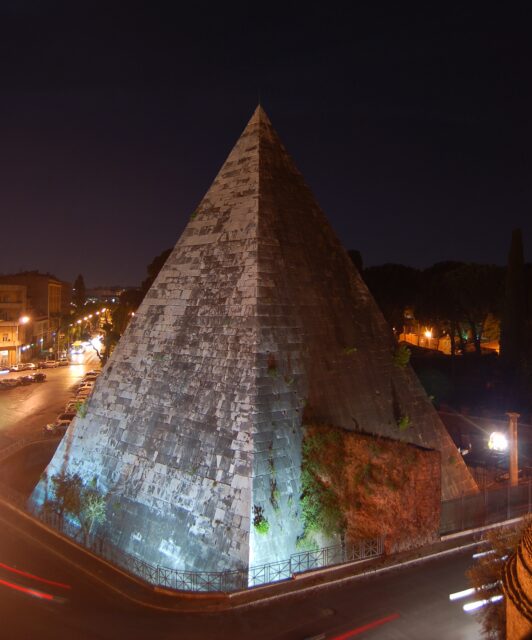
(414, 131)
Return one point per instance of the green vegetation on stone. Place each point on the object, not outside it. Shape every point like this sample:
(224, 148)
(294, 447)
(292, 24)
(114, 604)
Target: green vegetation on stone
(404, 422)
(401, 357)
(322, 465)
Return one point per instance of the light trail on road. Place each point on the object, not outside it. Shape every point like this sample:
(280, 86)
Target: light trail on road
(34, 577)
(366, 627)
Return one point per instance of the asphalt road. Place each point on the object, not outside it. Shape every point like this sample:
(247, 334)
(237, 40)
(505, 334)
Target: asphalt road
(410, 603)
(26, 409)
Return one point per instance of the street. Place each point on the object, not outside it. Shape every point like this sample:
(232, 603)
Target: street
(42, 596)
(26, 409)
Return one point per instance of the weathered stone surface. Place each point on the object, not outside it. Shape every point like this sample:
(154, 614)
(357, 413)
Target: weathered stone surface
(195, 424)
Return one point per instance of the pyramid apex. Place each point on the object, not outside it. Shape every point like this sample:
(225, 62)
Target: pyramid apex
(259, 115)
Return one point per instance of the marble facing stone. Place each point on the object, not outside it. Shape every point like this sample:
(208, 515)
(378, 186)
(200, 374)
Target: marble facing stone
(194, 427)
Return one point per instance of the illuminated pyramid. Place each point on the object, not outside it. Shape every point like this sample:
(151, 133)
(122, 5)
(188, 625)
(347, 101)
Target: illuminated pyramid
(195, 425)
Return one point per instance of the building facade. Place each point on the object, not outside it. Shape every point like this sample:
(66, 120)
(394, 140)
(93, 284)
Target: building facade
(30, 316)
(13, 309)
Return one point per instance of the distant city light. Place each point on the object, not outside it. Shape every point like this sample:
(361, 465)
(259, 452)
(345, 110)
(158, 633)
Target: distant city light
(428, 334)
(24, 320)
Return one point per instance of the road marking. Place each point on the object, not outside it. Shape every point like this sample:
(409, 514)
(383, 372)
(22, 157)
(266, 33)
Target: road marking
(33, 577)
(366, 627)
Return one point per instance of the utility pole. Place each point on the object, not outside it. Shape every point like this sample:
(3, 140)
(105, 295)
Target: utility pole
(512, 432)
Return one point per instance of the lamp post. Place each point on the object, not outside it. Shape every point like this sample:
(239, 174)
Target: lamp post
(21, 320)
(512, 432)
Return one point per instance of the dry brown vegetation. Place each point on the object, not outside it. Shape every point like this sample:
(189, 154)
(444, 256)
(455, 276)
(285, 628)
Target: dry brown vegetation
(380, 487)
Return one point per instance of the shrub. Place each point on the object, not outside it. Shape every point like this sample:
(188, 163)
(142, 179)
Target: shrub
(401, 357)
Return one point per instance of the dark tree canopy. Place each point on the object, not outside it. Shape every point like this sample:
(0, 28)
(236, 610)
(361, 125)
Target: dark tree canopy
(394, 287)
(513, 329)
(153, 269)
(79, 292)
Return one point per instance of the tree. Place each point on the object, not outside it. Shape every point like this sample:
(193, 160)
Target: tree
(513, 326)
(477, 291)
(153, 269)
(87, 504)
(485, 576)
(93, 506)
(79, 293)
(394, 287)
(66, 489)
(356, 259)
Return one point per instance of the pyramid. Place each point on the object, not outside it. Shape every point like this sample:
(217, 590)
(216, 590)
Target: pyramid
(257, 318)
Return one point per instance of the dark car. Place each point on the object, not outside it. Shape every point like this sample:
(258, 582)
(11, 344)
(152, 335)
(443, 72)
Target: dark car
(39, 377)
(10, 383)
(25, 380)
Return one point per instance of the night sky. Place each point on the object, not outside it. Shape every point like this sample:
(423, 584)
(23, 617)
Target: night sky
(413, 131)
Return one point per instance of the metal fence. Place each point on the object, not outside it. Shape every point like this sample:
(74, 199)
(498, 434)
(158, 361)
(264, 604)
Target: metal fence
(485, 508)
(463, 513)
(218, 580)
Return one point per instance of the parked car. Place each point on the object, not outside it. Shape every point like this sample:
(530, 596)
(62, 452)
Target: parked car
(31, 365)
(72, 406)
(18, 367)
(63, 362)
(25, 380)
(10, 383)
(39, 377)
(49, 364)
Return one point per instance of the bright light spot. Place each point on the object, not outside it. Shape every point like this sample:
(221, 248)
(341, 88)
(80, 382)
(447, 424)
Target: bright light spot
(481, 554)
(79, 321)
(498, 442)
(96, 343)
(24, 320)
(478, 604)
(428, 334)
(461, 594)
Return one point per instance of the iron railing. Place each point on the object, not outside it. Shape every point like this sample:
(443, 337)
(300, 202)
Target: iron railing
(206, 580)
(485, 508)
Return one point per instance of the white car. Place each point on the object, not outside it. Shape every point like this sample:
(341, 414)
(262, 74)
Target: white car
(50, 364)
